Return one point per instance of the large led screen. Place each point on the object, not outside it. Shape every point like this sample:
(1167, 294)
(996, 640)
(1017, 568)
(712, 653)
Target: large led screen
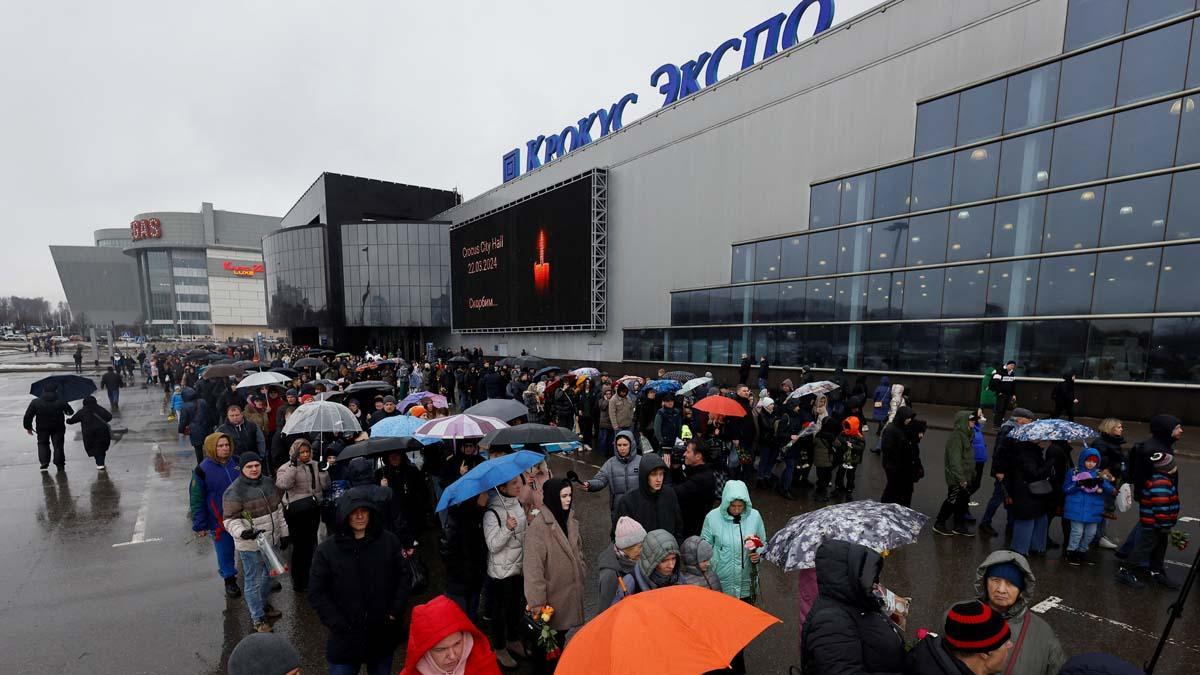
(526, 265)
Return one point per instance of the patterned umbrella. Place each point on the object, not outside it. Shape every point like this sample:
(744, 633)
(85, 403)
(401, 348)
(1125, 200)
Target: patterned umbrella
(694, 383)
(872, 524)
(1053, 430)
(588, 372)
(815, 388)
(663, 386)
(629, 379)
(680, 376)
(439, 401)
(459, 426)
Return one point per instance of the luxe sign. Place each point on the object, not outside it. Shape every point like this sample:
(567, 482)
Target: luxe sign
(243, 270)
(776, 34)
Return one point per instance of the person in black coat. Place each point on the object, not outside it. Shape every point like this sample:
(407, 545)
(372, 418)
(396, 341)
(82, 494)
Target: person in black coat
(900, 457)
(50, 415)
(196, 420)
(93, 421)
(744, 369)
(410, 496)
(1063, 396)
(493, 384)
(111, 382)
(465, 553)
(654, 504)
(359, 587)
(695, 487)
(1029, 486)
(846, 631)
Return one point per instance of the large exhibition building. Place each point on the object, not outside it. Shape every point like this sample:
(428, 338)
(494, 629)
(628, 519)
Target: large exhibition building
(924, 190)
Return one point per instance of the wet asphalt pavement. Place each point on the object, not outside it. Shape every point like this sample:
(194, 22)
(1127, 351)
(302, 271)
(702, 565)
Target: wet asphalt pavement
(100, 573)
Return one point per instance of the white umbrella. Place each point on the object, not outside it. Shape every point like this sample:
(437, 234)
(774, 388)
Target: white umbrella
(265, 379)
(822, 387)
(321, 416)
(691, 385)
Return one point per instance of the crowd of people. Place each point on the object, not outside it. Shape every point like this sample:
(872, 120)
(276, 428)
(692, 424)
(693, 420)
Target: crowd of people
(359, 535)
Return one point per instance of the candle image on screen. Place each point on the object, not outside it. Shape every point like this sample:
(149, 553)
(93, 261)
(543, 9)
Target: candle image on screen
(541, 268)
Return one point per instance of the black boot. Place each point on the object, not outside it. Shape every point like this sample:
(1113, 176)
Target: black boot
(231, 588)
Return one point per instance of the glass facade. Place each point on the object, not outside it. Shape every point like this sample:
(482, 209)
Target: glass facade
(1046, 217)
(398, 274)
(296, 277)
(175, 288)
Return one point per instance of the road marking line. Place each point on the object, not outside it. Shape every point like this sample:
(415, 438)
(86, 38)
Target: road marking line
(139, 526)
(1176, 562)
(1188, 519)
(1054, 602)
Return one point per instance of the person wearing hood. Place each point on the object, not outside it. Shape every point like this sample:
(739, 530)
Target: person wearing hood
(253, 506)
(1063, 396)
(1086, 488)
(553, 565)
(881, 405)
(93, 425)
(695, 557)
(410, 493)
(619, 473)
(195, 420)
(1165, 431)
(361, 473)
(620, 409)
(443, 641)
(359, 588)
(960, 471)
(618, 560)
(853, 443)
(846, 630)
(604, 421)
(727, 527)
(694, 484)
(900, 458)
(304, 487)
(1005, 582)
(766, 419)
(654, 503)
(504, 529)
(206, 492)
(976, 641)
(658, 566)
(50, 414)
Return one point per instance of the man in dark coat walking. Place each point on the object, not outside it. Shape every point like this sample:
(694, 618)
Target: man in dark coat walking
(654, 504)
(1004, 384)
(111, 382)
(695, 487)
(744, 369)
(51, 415)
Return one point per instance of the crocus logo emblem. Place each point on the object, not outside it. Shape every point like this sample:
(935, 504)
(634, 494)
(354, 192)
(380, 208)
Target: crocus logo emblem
(541, 268)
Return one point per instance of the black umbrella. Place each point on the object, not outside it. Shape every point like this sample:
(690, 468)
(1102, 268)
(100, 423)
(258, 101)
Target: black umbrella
(501, 408)
(219, 358)
(309, 362)
(285, 371)
(528, 434)
(459, 359)
(198, 353)
(507, 361)
(529, 362)
(379, 446)
(546, 371)
(69, 387)
(321, 352)
(369, 385)
(221, 370)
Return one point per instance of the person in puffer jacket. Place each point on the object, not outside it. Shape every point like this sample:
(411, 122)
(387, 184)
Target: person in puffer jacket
(1085, 489)
(504, 527)
(696, 564)
(252, 506)
(1005, 581)
(727, 527)
(619, 473)
(305, 486)
(206, 492)
(847, 631)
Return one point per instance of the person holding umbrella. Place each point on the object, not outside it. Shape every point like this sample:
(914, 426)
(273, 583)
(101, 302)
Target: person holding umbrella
(504, 528)
(50, 414)
(93, 421)
(553, 564)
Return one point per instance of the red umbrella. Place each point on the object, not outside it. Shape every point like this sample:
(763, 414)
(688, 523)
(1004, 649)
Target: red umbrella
(555, 384)
(720, 405)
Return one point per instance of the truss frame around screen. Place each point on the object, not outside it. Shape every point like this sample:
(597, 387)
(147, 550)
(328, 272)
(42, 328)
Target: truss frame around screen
(599, 258)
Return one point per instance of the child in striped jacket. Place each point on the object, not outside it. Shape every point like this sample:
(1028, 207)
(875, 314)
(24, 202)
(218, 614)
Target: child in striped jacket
(1158, 512)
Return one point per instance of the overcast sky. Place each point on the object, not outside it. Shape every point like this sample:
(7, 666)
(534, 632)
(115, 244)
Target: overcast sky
(116, 108)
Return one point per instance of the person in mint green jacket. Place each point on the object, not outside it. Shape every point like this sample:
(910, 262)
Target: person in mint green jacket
(727, 527)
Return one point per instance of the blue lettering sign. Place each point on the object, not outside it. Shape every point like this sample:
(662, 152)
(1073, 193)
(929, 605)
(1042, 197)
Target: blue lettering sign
(777, 33)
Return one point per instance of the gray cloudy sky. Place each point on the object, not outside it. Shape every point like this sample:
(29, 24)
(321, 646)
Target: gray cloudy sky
(116, 108)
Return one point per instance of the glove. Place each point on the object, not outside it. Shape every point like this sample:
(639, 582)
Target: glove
(250, 534)
(284, 543)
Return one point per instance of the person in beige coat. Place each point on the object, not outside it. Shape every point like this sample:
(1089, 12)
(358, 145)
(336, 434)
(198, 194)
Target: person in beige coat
(554, 569)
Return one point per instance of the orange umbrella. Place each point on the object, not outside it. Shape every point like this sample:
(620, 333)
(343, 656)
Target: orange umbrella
(719, 405)
(668, 631)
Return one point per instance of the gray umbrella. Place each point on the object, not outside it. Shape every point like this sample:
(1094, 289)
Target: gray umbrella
(501, 408)
(872, 524)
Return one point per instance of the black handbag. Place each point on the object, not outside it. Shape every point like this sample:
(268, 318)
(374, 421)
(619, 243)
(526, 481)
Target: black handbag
(417, 574)
(1040, 488)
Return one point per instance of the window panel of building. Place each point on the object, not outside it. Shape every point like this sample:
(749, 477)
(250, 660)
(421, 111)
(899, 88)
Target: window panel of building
(965, 292)
(1175, 350)
(1032, 97)
(892, 187)
(1126, 281)
(1090, 21)
(823, 203)
(743, 263)
(1193, 69)
(923, 293)
(981, 112)
(879, 343)
(927, 239)
(854, 247)
(1142, 13)
(1154, 63)
(1135, 211)
(794, 257)
(791, 301)
(931, 183)
(1055, 347)
(1018, 229)
(1183, 219)
(1025, 163)
(1188, 151)
(921, 347)
(819, 303)
(851, 298)
(858, 197)
(1089, 81)
(721, 308)
(936, 124)
(889, 243)
(1118, 349)
(1065, 285)
(975, 173)
(766, 303)
(1073, 219)
(970, 235)
(1143, 139)
(962, 347)
(884, 297)
(766, 260)
(1176, 292)
(681, 309)
(822, 253)
(1012, 288)
(1081, 152)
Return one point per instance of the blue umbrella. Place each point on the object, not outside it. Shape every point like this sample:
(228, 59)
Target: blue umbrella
(488, 475)
(663, 386)
(397, 426)
(1053, 430)
(69, 387)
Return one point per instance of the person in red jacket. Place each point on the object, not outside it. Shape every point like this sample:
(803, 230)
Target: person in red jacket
(443, 641)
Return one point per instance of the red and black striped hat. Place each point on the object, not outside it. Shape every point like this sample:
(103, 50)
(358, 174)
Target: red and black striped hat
(974, 627)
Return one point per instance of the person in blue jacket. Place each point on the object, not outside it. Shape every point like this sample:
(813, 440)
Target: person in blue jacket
(206, 492)
(1085, 488)
(979, 445)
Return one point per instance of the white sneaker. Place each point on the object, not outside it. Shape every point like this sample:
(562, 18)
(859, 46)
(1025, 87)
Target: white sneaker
(101, 468)
(1105, 542)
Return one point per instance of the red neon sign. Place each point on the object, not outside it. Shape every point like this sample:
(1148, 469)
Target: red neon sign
(243, 270)
(146, 228)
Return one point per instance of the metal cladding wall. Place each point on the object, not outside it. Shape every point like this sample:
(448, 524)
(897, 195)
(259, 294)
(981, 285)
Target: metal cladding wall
(101, 284)
(735, 160)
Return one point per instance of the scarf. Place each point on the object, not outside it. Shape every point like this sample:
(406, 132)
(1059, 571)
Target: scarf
(426, 666)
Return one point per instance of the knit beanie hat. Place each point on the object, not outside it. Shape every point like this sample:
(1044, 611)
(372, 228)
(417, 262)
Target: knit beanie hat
(973, 627)
(629, 532)
(1009, 572)
(247, 457)
(1164, 462)
(263, 654)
